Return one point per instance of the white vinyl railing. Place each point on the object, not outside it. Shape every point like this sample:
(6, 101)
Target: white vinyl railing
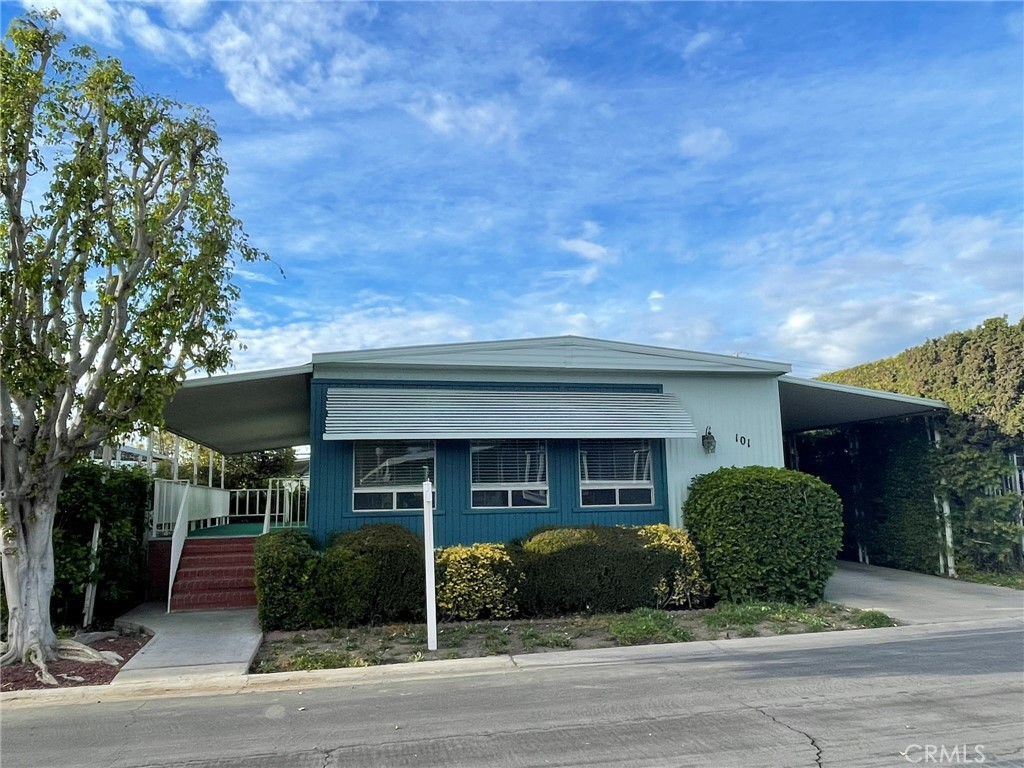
(208, 506)
(287, 503)
(178, 541)
(197, 507)
(248, 504)
(167, 495)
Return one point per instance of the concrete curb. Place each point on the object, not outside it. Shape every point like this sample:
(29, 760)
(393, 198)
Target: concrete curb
(198, 684)
(184, 685)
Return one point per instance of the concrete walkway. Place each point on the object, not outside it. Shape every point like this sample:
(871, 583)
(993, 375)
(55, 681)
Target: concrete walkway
(916, 598)
(189, 645)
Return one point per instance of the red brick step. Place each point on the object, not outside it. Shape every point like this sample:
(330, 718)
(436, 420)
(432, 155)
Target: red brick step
(214, 574)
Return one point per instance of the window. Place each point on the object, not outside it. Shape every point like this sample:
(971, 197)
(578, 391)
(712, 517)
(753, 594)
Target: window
(615, 473)
(509, 473)
(389, 475)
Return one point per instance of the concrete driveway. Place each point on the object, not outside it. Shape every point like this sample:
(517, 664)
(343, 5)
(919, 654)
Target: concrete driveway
(915, 598)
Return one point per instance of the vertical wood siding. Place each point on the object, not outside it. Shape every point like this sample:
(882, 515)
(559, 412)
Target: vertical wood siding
(455, 522)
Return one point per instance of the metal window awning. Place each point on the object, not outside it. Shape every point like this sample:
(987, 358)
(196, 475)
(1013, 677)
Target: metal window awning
(409, 414)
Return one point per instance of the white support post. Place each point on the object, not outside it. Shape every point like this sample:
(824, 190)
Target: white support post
(177, 455)
(944, 518)
(195, 463)
(90, 587)
(222, 471)
(209, 473)
(428, 560)
(149, 452)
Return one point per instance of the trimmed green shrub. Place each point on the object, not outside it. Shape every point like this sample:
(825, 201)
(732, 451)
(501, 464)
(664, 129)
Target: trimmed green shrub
(765, 533)
(477, 582)
(684, 586)
(285, 561)
(595, 569)
(372, 574)
(340, 589)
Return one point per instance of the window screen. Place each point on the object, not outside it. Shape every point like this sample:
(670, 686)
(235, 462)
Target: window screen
(509, 473)
(615, 473)
(389, 475)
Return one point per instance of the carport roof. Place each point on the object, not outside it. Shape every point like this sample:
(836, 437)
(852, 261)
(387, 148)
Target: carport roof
(810, 404)
(243, 412)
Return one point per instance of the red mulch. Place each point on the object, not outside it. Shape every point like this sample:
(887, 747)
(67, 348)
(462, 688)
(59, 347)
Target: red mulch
(20, 677)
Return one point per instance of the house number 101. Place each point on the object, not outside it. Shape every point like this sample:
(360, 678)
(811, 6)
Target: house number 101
(743, 440)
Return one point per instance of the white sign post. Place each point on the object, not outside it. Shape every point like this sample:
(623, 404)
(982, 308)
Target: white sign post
(428, 558)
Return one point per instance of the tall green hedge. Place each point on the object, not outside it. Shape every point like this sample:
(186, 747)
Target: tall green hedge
(765, 533)
(979, 372)
(119, 499)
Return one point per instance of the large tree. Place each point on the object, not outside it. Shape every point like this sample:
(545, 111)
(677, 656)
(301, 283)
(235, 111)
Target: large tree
(120, 248)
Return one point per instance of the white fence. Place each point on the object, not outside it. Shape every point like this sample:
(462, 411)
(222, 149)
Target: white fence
(203, 506)
(167, 498)
(284, 503)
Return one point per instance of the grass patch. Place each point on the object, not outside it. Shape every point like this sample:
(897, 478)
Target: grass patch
(531, 638)
(456, 636)
(495, 641)
(874, 619)
(780, 618)
(996, 579)
(646, 625)
(307, 660)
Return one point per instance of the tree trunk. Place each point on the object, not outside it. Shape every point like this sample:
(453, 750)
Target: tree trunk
(28, 575)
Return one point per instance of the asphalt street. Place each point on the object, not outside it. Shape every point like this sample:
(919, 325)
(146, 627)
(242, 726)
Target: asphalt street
(926, 695)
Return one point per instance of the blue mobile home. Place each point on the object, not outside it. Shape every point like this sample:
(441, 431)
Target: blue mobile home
(516, 434)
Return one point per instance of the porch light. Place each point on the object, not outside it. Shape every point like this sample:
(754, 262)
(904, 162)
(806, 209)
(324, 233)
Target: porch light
(707, 440)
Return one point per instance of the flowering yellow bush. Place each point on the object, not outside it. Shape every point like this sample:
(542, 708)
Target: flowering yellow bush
(686, 585)
(477, 582)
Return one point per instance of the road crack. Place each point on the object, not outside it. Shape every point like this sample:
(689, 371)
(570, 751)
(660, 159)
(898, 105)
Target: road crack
(817, 749)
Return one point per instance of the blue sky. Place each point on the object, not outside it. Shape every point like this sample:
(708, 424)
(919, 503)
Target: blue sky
(817, 183)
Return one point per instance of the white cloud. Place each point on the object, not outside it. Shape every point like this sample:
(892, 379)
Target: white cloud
(286, 59)
(96, 20)
(567, 277)
(706, 144)
(654, 301)
(588, 250)
(486, 121)
(832, 296)
(157, 39)
(594, 255)
(256, 277)
(369, 327)
(183, 13)
(699, 42)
